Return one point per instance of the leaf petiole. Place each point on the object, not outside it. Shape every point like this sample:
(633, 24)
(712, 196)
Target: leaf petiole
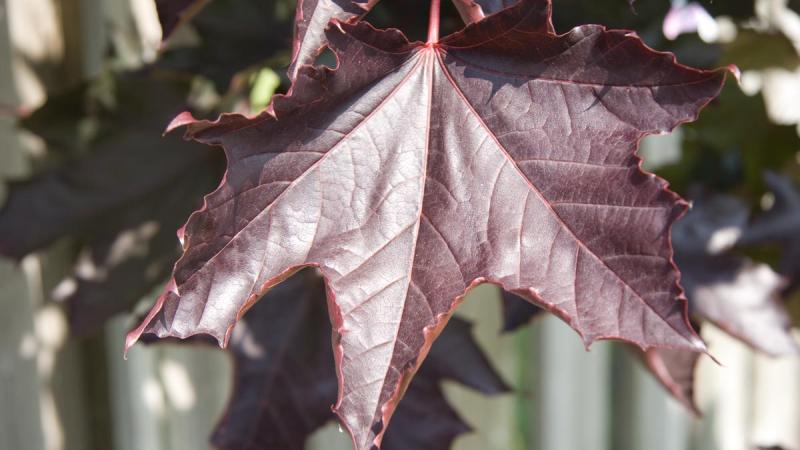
(433, 24)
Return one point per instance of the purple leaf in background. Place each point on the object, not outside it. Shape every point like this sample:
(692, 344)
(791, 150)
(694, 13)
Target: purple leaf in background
(732, 292)
(472, 11)
(173, 13)
(674, 370)
(285, 378)
(517, 312)
(121, 199)
(781, 225)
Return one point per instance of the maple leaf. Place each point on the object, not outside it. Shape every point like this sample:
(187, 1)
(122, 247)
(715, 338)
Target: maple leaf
(311, 19)
(424, 419)
(121, 198)
(517, 312)
(674, 369)
(285, 378)
(173, 13)
(254, 28)
(732, 292)
(472, 11)
(70, 199)
(132, 251)
(503, 153)
(780, 224)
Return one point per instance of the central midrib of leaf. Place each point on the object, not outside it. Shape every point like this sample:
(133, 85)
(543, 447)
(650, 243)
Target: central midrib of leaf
(425, 63)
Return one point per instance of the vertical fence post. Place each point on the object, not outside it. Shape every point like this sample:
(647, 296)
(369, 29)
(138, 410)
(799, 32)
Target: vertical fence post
(723, 393)
(572, 389)
(776, 409)
(644, 416)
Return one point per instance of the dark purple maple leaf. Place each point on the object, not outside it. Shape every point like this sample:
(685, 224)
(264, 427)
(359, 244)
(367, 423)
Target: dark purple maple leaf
(780, 225)
(285, 378)
(69, 200)
(674, 369)
(503, 153)
(173, 13)
(252, 27)
(472, 11)
(517, 312)
(132, 252)
(121, 199)
(732, 292)
(311, 19)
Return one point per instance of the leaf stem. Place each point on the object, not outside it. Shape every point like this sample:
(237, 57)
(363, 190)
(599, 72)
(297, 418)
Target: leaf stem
(433, 25)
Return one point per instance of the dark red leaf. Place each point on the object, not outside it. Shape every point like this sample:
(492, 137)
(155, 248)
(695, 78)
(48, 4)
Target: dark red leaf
(469, 10)
(732, 292)
(780, 225)
(504, 153)
(517, 312)
(312, 18)
(254, 28)
(121, 199)
(110, 176)
(285, 381)
(133, 251)
(173, 13)
(472, 11)
(675, 370)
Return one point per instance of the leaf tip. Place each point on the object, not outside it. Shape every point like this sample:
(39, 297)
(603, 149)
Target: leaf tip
(183, 119)
(133, 336)
(734, 70)
(130, 340)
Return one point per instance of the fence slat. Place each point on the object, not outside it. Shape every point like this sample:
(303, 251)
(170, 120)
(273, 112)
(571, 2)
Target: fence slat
(776, 410)
(724, 393)
(571, 392)
(20, 426)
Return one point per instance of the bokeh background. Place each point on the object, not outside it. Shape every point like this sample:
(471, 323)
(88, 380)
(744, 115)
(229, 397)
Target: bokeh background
(86, 87)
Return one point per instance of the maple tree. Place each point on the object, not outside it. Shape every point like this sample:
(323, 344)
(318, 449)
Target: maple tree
(502, 153)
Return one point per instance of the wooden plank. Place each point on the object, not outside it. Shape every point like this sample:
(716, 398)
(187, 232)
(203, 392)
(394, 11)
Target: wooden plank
(643, 413)
(165, 396)
(723, 393)
(20, 426)
(137, 397)
(776, 398)
(197, 382)
(493, 418)
(572, 390)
